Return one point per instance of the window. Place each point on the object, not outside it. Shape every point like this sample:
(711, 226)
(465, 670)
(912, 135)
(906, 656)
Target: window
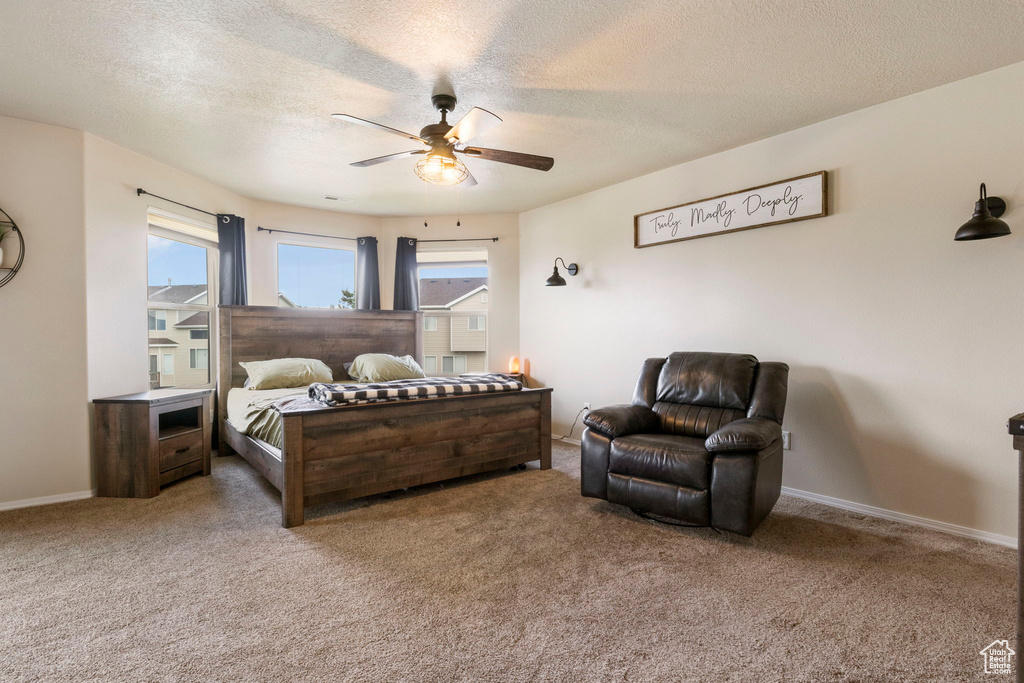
(453, 365)
(454, 299)
(182, 287)
(199, 359)
(429, 365)
(315, 277)
(158, 320)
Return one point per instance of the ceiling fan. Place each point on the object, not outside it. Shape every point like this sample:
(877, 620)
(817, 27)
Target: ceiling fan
(442, 141)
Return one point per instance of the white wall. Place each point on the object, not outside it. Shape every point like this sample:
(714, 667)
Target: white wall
(44, 432)
(904, 346)
(116, 255)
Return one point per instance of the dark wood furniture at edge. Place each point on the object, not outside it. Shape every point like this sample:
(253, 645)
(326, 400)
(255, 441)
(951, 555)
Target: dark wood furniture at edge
(334, 454)
(148, 440)
(1016, 428)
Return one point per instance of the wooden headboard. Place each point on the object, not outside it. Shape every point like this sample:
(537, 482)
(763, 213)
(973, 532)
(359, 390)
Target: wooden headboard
(336, 337)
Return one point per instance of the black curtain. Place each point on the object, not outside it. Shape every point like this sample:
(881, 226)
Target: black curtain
(368, 287)
(407, 285)
(231, 236)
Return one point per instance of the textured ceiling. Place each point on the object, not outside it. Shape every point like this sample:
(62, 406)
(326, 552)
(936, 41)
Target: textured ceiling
(240, 91)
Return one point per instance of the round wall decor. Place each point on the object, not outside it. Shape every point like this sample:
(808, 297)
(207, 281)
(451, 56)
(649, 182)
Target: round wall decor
(8, 232)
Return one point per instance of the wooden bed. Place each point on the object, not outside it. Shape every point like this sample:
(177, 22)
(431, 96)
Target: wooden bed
(333, 454)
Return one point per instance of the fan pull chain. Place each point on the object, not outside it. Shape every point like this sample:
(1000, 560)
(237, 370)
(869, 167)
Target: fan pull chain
(424, 205)
(458, 205)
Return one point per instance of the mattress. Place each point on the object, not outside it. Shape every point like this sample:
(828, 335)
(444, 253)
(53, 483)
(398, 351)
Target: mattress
(252, 412)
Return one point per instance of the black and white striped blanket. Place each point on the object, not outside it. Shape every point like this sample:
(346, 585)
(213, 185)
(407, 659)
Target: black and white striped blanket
(408, 389)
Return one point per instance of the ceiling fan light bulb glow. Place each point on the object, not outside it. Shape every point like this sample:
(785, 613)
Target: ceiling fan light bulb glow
(439, 169)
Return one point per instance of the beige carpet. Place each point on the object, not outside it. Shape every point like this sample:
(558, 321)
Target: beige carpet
(506, 577)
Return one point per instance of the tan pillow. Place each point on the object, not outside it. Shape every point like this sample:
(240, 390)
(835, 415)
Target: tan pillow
(381, 367)
(286, 373)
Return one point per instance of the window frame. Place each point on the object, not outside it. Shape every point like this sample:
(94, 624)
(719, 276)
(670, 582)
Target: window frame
(455, 371)
(193, 359)
(212, 289)
(156, 319)
(483, 323)
(317, 245)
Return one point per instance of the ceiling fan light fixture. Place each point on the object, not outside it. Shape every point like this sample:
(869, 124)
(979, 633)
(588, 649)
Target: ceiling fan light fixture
(441, 169)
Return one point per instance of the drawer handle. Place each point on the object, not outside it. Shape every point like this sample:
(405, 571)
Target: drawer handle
(183, 450)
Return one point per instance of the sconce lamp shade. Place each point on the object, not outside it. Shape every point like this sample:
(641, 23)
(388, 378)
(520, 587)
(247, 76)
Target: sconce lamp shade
(557, 280)
(513, 364)
(985, 222)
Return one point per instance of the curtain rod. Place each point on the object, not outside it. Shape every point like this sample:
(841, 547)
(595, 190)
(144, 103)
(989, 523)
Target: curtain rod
(335, 237)
(465, 239)
(307, 234)
(139, 192)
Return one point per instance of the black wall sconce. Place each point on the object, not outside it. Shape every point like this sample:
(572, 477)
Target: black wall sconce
(557, 280)
(985, 222)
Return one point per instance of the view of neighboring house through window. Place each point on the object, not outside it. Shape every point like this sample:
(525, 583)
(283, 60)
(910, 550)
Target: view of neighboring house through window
(315, 277)
(453, 298)
(181, 293)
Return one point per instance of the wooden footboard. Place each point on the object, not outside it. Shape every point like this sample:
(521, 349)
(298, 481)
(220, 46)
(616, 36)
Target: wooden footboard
(344, 453)
(361, 450)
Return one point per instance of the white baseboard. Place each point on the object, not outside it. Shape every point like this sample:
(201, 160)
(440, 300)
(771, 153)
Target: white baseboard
(46, 500)
(882, 513)
(565, 439)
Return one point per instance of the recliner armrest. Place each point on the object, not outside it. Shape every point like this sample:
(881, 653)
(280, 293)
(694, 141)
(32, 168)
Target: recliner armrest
(749, 434)
(622, 420)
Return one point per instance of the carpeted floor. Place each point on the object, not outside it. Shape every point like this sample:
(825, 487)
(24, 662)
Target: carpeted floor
(504, 577)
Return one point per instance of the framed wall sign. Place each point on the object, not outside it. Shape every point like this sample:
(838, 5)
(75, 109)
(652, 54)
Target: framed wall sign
(790, 200)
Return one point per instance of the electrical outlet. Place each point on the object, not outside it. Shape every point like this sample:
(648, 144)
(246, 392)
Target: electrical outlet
(586, 407)
(787, 441)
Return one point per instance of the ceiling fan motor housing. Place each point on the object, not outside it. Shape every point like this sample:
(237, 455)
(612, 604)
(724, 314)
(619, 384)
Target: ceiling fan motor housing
(434, 134)
(443, 102)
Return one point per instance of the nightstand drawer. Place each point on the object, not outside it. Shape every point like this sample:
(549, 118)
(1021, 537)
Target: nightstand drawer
(181, 450)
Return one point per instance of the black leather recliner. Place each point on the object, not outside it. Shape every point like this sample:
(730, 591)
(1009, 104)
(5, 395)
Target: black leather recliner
(701, 442)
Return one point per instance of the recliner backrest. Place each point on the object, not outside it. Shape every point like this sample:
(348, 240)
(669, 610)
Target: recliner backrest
(715, 380)
(697, 393)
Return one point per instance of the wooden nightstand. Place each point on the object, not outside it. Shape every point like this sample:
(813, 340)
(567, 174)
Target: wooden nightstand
(148, 440)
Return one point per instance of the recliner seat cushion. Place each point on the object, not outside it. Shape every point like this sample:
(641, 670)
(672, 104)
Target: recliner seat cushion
(679, 460)
(717, 380)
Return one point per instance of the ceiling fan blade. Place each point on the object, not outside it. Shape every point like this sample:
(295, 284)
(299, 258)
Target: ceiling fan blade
(387, 157)
(516, 158)
(470, 181)
(378, 126)
(475, 121)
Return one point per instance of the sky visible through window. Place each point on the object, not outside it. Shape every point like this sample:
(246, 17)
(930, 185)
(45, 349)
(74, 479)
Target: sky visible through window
(314, 277)
(182, 264)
